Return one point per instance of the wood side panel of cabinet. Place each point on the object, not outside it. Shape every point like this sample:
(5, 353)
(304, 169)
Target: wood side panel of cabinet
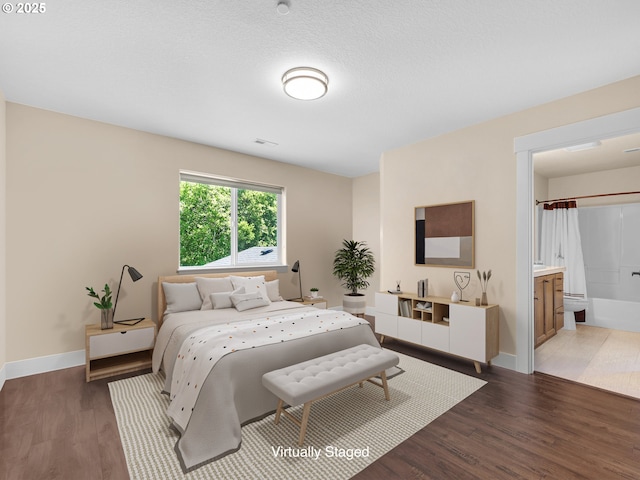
(558, 300)
(538, 311)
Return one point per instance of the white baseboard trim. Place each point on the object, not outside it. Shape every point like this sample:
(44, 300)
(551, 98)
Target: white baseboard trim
(3, 375)
(505, 360)
(48, 363)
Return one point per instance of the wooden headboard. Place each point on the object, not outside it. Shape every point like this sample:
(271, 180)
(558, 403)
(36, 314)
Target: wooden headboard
(162, 302)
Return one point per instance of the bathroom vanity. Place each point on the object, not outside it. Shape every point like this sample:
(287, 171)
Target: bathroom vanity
(548, 303)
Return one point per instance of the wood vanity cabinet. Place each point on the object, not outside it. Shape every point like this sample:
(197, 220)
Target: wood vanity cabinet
(548, 306)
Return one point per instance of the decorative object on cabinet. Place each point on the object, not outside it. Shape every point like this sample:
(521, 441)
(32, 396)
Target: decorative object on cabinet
(423, 287)
(484, 281)
(135, 276)
(126, 348)
(462, 280)
(444, 235)
(104, 304)
(464, 330)
(353, 264)
(455, 298)
(314, 292)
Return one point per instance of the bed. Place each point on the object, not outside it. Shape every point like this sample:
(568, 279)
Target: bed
(235, 347)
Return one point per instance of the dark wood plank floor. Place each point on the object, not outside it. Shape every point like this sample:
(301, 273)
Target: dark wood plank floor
(55, 426)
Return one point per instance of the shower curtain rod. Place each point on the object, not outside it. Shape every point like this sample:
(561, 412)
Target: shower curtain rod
(586, 196)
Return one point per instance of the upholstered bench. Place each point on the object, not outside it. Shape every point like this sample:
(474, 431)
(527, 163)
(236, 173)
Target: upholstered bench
(314, 379)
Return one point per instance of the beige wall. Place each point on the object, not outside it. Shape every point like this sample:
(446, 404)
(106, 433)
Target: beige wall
(607, 181)
(85, 198)
(3, 237)
(366, 223)
(476, 163)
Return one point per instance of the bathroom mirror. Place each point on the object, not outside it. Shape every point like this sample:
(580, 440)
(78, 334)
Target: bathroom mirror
(444, 235)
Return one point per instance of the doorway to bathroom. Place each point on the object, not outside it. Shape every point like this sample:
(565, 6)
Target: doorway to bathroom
(608, 126)
(602, 348)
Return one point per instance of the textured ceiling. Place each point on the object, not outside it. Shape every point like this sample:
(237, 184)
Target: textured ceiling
(399, 72)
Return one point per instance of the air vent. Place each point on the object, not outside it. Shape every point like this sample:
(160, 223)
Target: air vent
(260, 141)
(583, 146)
(631, 150)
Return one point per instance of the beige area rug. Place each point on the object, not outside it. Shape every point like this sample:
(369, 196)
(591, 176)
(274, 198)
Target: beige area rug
(347, 431)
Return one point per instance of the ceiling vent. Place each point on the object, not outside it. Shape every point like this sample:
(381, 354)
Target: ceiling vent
(260, 141)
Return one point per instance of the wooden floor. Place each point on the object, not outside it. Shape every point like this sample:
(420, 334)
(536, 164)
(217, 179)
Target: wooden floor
(55, 426)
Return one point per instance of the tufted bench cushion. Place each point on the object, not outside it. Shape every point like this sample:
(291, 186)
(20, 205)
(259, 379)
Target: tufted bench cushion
(314, 379)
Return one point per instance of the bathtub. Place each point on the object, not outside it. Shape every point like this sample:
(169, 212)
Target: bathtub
(615, 314)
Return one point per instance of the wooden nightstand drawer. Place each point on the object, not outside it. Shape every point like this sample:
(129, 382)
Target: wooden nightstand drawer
(123, 349)
(116, 343)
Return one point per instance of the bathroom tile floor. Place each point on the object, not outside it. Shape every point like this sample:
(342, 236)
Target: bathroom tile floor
(603, 358)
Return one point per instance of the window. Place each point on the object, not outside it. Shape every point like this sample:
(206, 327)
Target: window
(229, 223)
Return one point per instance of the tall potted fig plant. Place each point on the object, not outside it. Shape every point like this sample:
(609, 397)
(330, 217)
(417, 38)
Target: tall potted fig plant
(353, 264)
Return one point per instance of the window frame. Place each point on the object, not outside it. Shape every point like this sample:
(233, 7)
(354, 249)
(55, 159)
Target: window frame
(235, 185)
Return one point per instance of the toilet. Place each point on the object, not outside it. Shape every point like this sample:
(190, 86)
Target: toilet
(572, 305)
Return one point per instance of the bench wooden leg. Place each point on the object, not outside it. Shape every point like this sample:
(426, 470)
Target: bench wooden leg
(279, 411)
(383, 376)
(477, 365)
(303, 425)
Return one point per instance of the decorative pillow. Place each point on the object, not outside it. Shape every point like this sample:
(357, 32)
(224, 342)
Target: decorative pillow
(223, 299)
(273, 291)
(251, 284)
(246, 301)
(181, 297)
(207, 286)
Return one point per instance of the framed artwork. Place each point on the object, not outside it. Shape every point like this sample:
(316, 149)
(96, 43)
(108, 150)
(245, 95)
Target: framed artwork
(444, 235)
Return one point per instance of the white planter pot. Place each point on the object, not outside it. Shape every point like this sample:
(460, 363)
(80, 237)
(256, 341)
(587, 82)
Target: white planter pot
(354, 304)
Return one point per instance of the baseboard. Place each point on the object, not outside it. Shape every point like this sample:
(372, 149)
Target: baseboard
(49, 363)
(3, 376)
(505, 360)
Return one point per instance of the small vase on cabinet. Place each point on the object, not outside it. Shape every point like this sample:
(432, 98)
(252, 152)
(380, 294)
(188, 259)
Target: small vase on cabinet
(106, 318)
(484, 299)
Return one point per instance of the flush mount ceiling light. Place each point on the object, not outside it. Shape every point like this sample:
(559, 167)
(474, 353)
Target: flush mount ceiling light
(305, 83)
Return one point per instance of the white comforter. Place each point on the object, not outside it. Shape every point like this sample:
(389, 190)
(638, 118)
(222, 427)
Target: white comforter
(232, 393)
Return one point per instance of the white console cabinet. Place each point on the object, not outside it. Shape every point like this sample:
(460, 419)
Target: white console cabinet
(461, 329)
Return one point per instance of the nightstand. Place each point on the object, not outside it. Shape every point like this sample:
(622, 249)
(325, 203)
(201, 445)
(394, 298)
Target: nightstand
(317, 302)
(121, 349)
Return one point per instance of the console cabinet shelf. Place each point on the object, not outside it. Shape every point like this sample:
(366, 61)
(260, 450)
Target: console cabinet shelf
(460, 329)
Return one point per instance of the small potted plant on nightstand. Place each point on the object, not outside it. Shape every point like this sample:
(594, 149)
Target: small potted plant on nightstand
(314, 292)
(105, 306)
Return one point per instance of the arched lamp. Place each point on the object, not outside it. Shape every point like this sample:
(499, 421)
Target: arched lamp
(135, 276)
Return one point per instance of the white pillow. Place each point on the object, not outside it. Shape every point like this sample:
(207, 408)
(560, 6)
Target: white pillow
(245, 301)
(273, 291)
(251, 284)
(223, 299)
(181, 297)
(207, 286)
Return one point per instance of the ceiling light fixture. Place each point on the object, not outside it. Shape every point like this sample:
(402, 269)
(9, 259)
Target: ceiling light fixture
(583, 146)
(305, 83)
